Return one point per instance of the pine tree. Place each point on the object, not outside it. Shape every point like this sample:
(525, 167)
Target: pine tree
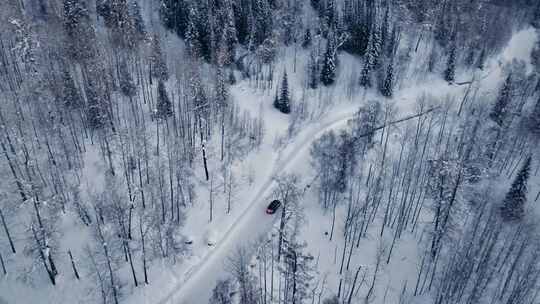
(307, 39)
(230, 34)
(450, 72)
(262, 21)
(138, 21)
(534, 119)
(536, 17)
(387, 88)
(127, 86)
(241, 22)
(330, 14)
(375, 50)
(232, 78)
(80, 34)
(276, 101)
(193, 37)
(120, 21)
(513, 207)
(328, 72)
(481, 59)
(358, 21)
(385, 27)
(499, 111)
(284, 102)
(174, 15)
(313, 71)
(371, 59)
(95, 112)
(158, 67)
(365, 76)
(221, 89)
(391, 44)
(198, 95)
(469, 60)
(164, 106)
(70, 96)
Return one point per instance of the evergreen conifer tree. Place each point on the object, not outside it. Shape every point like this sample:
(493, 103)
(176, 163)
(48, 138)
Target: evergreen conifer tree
(499, 111)
(328, 72)
(391, 42)
(232, 78)
(513, 207)
(138, 21)
(536, 17)
(199, 97)
(221, 88)
(376, 48)
(385, 27)
(307, 39)
(481, 59)
(158, 67)
(94, 104)
(284, 102)
(313, 71)
(174, 15)
(450, 72)
(70, 96)
(365, 76)
(193, 37)
(534, 119)
(230, 34)
(262, 21)
(80, 34)
(371, 59)
(120, 21)
(387, 89)
(164, 106)
(330, 13)
(127, 86)
(276, 101)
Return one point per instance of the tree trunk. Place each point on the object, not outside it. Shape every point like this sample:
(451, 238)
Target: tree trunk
(43, 258)
(204, 161)
(7, 232)
(353, 284)
(2, 264)
(108, 258)
(143, 253)
(131, 264)
(73, 265)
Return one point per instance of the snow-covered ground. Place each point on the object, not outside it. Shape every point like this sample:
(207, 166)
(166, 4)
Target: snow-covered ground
(191, 280)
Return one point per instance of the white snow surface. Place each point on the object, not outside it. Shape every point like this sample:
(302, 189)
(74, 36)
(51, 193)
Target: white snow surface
(195, 285)
(191, 280)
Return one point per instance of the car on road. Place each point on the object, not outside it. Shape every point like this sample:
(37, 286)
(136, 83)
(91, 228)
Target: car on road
(273, 207)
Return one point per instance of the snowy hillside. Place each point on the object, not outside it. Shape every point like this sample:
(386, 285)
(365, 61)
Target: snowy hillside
(143, 141)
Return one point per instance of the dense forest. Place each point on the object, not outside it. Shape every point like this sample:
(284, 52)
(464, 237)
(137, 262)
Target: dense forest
(140, 140)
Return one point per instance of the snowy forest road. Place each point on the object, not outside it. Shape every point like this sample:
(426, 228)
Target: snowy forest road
(251, 224)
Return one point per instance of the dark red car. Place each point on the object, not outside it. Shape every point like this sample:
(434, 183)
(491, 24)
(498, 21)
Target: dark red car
(273, 207)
